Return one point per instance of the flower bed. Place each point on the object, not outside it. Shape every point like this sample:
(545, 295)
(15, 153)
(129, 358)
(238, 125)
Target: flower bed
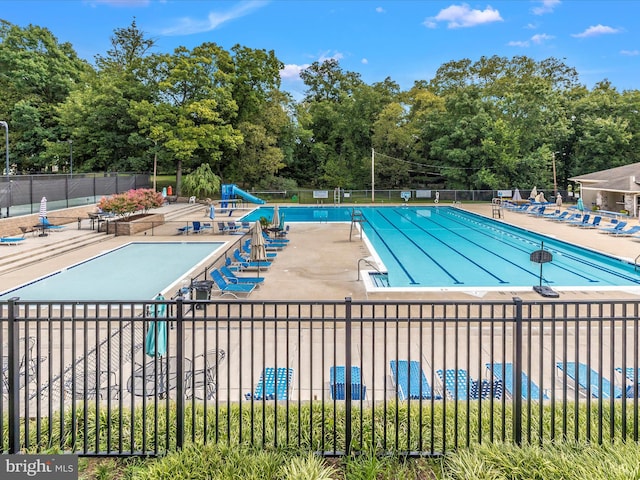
(134, 224)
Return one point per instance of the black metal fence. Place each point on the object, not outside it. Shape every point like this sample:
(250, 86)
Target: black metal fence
(331, 377)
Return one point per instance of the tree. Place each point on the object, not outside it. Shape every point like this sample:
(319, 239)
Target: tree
(191, 115)
(36, 75)
(202, 182)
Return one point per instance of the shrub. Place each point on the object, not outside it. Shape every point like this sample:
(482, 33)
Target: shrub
(128, 203)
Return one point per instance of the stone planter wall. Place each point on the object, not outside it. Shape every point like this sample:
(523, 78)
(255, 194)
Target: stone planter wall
(136, 224)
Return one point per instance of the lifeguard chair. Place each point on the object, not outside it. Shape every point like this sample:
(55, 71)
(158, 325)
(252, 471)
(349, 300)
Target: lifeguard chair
(357, 218)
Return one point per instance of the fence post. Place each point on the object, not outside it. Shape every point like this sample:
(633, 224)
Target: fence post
(180, 400)
(14, 378)
(517, 372)
(347, 376)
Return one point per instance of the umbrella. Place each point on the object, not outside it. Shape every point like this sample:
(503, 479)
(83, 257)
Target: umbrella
(43, 208)
(258, 250)
(558, 200)
(516, 196)
(156, 340)
(212, 212)
(281, 224)
(534, 193)
(275, 220)
(580, 204)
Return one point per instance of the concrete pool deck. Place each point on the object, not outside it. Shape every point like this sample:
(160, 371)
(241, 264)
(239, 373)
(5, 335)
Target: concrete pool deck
(321, 262)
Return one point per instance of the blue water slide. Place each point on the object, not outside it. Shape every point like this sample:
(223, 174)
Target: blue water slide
(230, 191)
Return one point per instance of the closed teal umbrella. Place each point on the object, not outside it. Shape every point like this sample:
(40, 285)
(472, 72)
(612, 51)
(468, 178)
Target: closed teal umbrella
(156, 340)
(580, 204)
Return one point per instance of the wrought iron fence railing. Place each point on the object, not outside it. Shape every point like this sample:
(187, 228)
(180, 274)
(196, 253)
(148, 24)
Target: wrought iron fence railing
(141, 378)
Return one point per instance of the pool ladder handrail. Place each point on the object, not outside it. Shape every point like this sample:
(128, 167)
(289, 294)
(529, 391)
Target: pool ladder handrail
(368, 262)
(635, 263)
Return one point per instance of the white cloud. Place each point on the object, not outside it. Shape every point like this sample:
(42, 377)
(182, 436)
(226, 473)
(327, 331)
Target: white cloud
(596, 30)
(463, 16)
(536, 39)
(630, 53)
(292, 71)
(380, 10)
(546, 6)
(364, 61)
(325, 56)
(190, 26)
(541, 38)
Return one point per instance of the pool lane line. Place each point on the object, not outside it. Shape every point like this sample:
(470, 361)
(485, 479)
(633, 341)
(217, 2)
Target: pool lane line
(566, 255)
(468, 224)
(450, 247)
(411, 279)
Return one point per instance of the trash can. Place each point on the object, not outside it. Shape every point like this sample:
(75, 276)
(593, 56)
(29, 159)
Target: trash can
(202, 290)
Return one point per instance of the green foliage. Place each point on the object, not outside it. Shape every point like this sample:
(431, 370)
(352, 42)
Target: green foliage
(202, 182)
(128, 203)
(492, 123)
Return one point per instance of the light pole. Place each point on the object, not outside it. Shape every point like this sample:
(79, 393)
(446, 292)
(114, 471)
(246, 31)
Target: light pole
(71, 157)
(373, 177)
(155, 163)
(6, 131)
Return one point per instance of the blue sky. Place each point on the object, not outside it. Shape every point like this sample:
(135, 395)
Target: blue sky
(402, 39)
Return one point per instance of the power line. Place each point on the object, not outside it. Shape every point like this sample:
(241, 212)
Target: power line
(425, 165)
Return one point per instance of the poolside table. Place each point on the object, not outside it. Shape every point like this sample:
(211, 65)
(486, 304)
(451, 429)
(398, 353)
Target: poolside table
(146, 381)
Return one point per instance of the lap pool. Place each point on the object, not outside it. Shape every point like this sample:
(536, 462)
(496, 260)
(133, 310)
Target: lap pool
(447, 248)
(137, 270)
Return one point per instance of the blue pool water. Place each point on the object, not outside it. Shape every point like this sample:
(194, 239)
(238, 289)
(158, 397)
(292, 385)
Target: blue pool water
(133, 271)
(448, 247)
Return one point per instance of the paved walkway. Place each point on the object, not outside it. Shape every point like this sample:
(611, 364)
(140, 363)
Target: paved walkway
(320, 263)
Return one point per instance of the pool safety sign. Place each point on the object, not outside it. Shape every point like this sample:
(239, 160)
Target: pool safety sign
(52, 467)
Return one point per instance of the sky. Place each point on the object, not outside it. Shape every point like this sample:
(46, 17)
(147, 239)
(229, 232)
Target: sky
(405, 40)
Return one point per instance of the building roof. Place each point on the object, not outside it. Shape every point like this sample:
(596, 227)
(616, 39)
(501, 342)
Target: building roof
(620, 179)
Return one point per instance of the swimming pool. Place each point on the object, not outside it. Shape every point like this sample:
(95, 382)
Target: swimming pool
(447, 248)
(137, 270)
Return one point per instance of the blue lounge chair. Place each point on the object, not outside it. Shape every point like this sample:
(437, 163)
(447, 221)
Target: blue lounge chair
(184, 229)
(233, 278)
(578, 222)
(588, 378)
(222, 227)
(459, 386)
(626, 233)
(595, 223)
(570, 218)
(49, 226)
(537, 211)
(629, 373)
(11, 240)
(560, 216)
(410, 380)
(619, 227)
(231, 288)
(246, 248)
(199, 227)
(273, 384)
(337, 383)
(504, 372)
(267, 238)
(232, 227)
(245, 264)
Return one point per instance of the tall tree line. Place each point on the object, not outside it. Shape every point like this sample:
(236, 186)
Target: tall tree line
(490, 124)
